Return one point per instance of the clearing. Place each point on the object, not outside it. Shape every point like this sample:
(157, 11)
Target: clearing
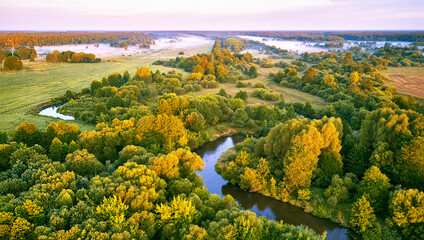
(407, 80)
(290, 95)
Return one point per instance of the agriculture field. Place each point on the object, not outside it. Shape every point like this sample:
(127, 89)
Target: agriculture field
(407, 80)
(22, 91)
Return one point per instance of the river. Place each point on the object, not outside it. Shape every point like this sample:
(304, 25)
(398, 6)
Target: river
(52, 112)
(261, 205)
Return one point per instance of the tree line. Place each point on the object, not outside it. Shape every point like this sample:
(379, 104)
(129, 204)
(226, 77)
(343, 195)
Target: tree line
(72, 57)
(13, 61)
(29, 39)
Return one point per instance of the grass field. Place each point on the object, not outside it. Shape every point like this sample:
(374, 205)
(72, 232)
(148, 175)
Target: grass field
(22, 91)
(290, 95)
(407, 80)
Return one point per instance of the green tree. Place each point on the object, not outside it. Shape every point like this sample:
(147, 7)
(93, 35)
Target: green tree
(357, 161)
(240, 117)
(223, 93)
(253, 72)
(242, 95)
(410, 165)
(308, 109)
(329, 164)
(376, 186)
(83, 163)
(58, 150)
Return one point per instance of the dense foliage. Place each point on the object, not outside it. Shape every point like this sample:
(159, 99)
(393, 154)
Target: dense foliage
(328, 169)
(357, 161)
(28, 39)
(72, 57)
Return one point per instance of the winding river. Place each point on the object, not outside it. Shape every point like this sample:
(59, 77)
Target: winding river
(261, 205)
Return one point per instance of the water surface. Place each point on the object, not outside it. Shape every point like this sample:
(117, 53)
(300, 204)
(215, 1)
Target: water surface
(261, 205)
(52, 112)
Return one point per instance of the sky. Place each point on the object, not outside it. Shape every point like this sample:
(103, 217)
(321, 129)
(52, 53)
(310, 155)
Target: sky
(130, 15)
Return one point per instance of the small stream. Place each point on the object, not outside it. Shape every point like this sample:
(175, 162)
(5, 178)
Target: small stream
(52, 112)
(261, 205)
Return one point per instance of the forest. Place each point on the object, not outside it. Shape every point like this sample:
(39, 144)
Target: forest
(28, 39)
(358, 160)
(337, 36)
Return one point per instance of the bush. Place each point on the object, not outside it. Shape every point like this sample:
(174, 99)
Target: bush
(241, 84)
(259, 85)
(242, 95)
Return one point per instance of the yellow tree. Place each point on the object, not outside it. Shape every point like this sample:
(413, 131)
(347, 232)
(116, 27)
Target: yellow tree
(165, 166)
(144, 74)
(171, 104)
(354, 78)
(171, 128)
(177, 213)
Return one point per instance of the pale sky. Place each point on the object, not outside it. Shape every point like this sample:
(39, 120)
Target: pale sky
(212, 15)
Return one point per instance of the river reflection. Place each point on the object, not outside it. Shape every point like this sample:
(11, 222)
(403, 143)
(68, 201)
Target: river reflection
(52, 112)
(261, 205)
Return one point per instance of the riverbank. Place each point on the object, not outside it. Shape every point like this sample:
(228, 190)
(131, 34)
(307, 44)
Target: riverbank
(315, 204)
(260, 204)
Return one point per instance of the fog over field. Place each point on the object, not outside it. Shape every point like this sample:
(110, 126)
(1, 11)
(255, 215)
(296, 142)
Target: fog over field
(103, 50)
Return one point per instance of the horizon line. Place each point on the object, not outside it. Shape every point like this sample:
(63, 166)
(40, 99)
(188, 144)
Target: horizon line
(299, 30)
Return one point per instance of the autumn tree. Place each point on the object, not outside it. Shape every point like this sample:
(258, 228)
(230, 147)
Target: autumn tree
(180, 212)
(310, 75)
(143, 74)
(354, 78)
(12, 63)
(170, 104)
(28, 133)
(406, 212)
(362, 216)
(163, 130)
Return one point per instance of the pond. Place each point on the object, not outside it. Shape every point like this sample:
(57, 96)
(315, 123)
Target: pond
(52, 112)
(261, 205)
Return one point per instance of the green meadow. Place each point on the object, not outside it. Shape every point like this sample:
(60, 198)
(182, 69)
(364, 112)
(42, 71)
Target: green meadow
(23, 92)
